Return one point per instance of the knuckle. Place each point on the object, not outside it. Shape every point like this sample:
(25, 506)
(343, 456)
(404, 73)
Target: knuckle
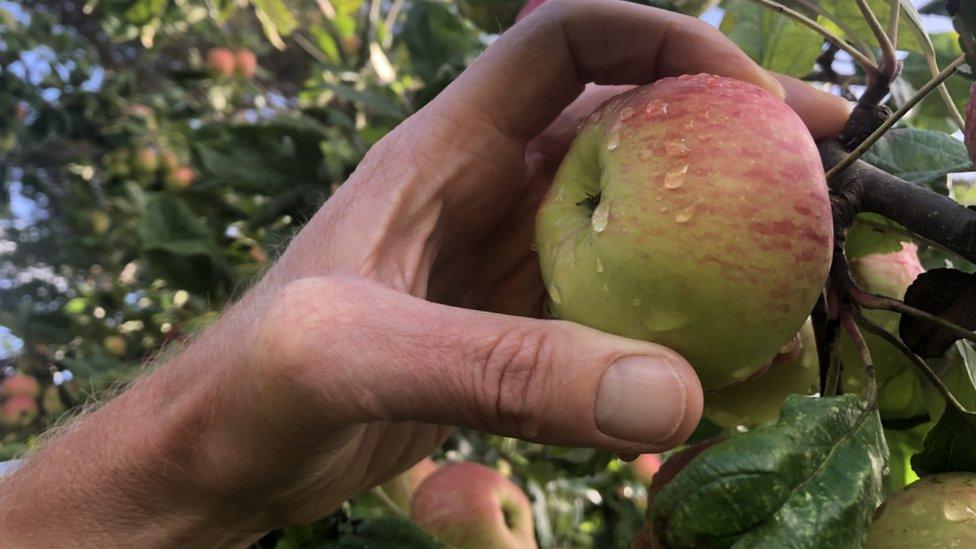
(515, 373)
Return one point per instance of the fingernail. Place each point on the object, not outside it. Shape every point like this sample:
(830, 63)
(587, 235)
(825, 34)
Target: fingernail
(641, 399)
(776, 87)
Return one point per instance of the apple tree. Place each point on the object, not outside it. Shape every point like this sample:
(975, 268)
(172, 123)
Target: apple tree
(156, 154)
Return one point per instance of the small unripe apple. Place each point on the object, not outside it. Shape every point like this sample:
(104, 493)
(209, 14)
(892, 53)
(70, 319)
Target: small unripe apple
(17, 411)
(692, 212)
(645, 466)
(245, 62)
(180, 178)
(169, 160)
(471, 505)
(900, 385)
(936, 511)
(220, 62)
(145, 161)
(400, 488)
(115, 345)
(100, 222)
(757, 400)
(20, 385)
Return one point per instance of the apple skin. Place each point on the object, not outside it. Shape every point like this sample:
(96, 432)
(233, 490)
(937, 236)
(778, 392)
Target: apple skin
(471, 505)
(795, 370)
(713, 230)
(645, 466)
(220, 62)
(20, 385)
(935, 511)
(900, 386)
(245, 63)
(400, 488)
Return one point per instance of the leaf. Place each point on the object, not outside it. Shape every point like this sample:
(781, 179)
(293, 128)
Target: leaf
(848, 12)
(277, 14)
(931, 112)
(437, 41)
(772, 40)
(949, 446)
(387, 531)
(144, 11)
(813, 479)
(947, 293)
(179, 245)
(922, 157)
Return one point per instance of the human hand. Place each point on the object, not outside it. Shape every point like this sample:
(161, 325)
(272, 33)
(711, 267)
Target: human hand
(403, 308)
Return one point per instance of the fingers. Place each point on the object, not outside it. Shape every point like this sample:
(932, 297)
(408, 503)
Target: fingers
(363, 353)
(530, 74)
(824, 113)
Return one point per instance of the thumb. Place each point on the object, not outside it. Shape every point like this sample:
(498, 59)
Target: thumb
(368, 353)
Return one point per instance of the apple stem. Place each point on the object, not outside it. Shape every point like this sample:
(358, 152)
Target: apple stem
(879, 302)
(850, 326)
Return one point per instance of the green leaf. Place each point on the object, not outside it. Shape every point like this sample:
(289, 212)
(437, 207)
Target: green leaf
(949, 446)
(179, 245)
(813, 479)
(387, 531)
(772, 40)
(278, 14)
(438, 42)
(931, 112)
(922, 157)
(848, 12)
(144, 11)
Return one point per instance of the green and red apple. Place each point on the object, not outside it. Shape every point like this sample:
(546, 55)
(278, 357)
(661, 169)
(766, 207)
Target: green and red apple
(245, 63)
(692, 212)
(471, 505)
(757, 400)
(645, 466)
(20, 385)
(220, 61)
(17, 411)
(400, 488)
(936, 511)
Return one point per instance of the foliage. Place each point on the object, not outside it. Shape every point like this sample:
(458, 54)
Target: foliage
(141, 191)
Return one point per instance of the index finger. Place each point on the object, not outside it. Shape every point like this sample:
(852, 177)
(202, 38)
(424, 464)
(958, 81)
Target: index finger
(533, 71)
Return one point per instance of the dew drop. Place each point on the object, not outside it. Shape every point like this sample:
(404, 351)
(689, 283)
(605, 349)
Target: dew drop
(599, 265)
(685, 215)
(713, 82)
(663, 209)
(676, 148)
(554, 294)
(656, 109)
(689, 124)
(606, 288)
(627, 113)
(645, 154)
(601, 216)
(676, 177)
(742, 373)
(635, 302)
(580, 124)
(534, 246)
(958, 513)
(613, 141)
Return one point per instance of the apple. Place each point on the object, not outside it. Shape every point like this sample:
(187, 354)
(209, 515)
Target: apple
(245, 63)
(400, 488)
(693, 213)
(935, 511)
(115, 345)
(145, 161)
(180, 178)
(169, 160)
(471, 505)
(220, 62)
(900, 387)
(17, 411)
(645, 466)
(20, 385)
(757, 400)
(100, 222)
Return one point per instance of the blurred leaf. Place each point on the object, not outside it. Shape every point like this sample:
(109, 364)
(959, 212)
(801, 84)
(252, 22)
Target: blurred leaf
(757, 488)
(144, 11)
(931, 112)
(772, 40)
(949, 294)
(848, 12)
(278, 15)
(922, 157)
(387, 531)
(949, 446)
(437, 41)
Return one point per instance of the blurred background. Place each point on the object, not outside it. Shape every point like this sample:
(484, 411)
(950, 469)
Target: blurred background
(156, 154)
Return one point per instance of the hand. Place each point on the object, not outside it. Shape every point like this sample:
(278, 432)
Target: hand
(401, 308)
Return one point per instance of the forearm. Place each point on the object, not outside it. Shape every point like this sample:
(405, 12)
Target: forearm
(146, 468)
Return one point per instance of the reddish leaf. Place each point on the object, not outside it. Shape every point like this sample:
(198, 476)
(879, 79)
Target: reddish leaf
(947, 293)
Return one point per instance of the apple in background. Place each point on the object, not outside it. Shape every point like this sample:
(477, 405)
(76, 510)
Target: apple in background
(471, 505)
(115, 345)
(17, 411)
(400, 488)
(693, 213)
(145, 161)
(245, 62)
(795, 370)
(220, 62)
(180, 178)
(935, 511)
(900, 386)
(20, 385)
(645, 466)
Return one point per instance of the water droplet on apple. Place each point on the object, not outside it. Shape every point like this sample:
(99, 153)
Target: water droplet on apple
(645, 154)
(599, 265)
(606, 288)
(534, 246)
(580, 124)
(958, 512)
(689, 124)
(635, 302)
(613, 141)
(663, 209)
(627, 113)
(676, 148)
(685, 77)
(554, 294)
(601, 216)
(713, 81)
(684, 215)
(955, 543)
(676, 177)
(742, 373)
(656, 109)
(917, 508)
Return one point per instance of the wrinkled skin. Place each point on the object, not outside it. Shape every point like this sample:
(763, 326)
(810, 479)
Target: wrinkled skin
(937, 511)
(693, 213)
(471, 505)
(795, 370)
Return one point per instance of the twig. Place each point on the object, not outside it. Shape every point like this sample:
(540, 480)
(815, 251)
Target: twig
(879, 302)
(893, 14)
(850, 326)
(902, 111)
(936, 381)
(858, 57)
(928, 51)
(889, 61)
